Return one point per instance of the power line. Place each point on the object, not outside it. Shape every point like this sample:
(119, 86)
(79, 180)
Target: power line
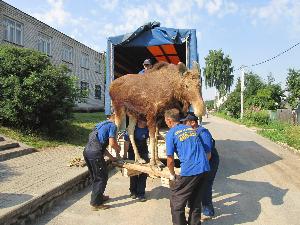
(270, 59)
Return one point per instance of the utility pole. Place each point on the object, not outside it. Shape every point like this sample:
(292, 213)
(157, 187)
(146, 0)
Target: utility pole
(242, 91)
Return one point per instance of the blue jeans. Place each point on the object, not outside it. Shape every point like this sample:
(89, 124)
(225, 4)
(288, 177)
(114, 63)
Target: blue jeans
(207, 204)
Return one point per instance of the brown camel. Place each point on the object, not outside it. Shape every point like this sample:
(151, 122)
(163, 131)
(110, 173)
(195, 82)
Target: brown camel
(151, 94)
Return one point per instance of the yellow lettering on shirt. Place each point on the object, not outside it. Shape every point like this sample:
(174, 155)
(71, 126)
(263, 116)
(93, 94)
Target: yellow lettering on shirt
(185, 135)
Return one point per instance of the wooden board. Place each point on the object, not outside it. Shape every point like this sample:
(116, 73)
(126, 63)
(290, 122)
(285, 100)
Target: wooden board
(145, 168)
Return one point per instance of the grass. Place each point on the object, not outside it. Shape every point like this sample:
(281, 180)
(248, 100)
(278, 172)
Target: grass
(73, 133)
(275, 131)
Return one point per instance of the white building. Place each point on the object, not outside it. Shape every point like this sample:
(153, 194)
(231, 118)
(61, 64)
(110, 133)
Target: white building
(23, 30)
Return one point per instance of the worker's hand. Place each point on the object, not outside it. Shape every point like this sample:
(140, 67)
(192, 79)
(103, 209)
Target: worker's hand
(172, 180)
(172, 177)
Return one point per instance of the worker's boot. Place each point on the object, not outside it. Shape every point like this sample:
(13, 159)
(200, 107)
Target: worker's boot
(100, 207)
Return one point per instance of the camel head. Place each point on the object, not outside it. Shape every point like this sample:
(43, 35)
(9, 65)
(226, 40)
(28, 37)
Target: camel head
(191, 87)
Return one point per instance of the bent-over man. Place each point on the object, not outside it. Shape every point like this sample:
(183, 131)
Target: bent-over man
(104, 134)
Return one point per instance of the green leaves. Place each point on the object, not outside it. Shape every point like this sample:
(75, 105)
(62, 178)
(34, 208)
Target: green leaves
(258, 95)
(34, 94)
(293, 87)
(218, 71)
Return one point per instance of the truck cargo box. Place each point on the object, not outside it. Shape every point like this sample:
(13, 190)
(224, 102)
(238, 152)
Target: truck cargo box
(126, 53)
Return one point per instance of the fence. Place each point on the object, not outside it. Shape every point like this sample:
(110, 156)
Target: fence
(286, 115)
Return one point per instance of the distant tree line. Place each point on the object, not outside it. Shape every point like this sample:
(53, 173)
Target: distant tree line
(258, 94)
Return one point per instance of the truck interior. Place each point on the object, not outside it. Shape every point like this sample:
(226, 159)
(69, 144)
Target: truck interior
(127, 52)
(129, 60)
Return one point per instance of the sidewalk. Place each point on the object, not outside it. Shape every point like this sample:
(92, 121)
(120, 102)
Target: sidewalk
(31, 183)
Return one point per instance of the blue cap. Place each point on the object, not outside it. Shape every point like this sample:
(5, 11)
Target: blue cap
(147, 62)
(190, 116)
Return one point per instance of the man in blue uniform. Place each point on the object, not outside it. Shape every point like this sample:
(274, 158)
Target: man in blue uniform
(138, 183)
(147, 65)
(209, 146)
(188, 187)
(104, 134)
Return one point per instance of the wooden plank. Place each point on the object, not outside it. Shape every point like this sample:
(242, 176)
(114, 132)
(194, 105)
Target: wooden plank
(145, 168)
(130, 173)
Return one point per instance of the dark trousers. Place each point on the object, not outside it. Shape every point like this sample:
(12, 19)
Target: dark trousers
(138, 183)
(99, 175)
(187, 189)
(207, 195)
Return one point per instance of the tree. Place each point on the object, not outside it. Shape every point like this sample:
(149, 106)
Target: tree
(34, 94)
(218, 71)
(233, 102)
(260, 94)
(293, 87)
(253, 83)
(270, 79)
(209, 104)
(269, 97)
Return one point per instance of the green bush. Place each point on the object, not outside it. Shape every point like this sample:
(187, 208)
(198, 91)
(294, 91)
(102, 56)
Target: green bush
(34, 94)
(258, 117)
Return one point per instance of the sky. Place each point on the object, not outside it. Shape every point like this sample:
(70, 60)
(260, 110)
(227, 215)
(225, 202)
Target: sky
(247, 31)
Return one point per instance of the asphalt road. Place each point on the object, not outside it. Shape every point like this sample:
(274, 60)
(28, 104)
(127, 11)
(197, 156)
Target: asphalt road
(258, 182)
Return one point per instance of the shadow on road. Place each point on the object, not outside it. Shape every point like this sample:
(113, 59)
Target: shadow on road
(238, 201)
(156, 193)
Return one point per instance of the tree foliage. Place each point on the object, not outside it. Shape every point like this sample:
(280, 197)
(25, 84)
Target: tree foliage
(253, 83)
(34, 94)
(268, 97)
(258, 95)
(218, 71)
(232, 104)
(209, 104)
(293, 87)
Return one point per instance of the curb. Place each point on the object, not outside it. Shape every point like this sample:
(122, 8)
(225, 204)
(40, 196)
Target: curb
(27, 212)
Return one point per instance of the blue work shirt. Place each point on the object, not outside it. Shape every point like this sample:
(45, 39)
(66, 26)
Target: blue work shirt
(207, 141)
(106, 129)
(140, 134)
(142, 72)
(184, 141)
(206, 138)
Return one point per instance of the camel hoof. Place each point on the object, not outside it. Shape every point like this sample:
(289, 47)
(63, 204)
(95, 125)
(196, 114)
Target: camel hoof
(154, 167)
(158, 168)
(160, 164)
(140, 161)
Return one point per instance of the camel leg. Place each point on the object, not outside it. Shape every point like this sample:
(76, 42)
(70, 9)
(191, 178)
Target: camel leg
(152, 146)
(119, 116)
(153, 160)
(157, 160)
(131, 127)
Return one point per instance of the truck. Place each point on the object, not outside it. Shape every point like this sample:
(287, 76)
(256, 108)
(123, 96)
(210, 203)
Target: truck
(126, 53)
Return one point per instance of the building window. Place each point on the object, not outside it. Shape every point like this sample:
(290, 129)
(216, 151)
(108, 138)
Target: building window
(84, 60)
(67, 53)
(98, 91)
(44, 44)
(97, 66)
(13, 31)
(84, 88)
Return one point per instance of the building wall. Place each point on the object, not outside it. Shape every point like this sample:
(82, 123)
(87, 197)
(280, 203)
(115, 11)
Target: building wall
(33, 29)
